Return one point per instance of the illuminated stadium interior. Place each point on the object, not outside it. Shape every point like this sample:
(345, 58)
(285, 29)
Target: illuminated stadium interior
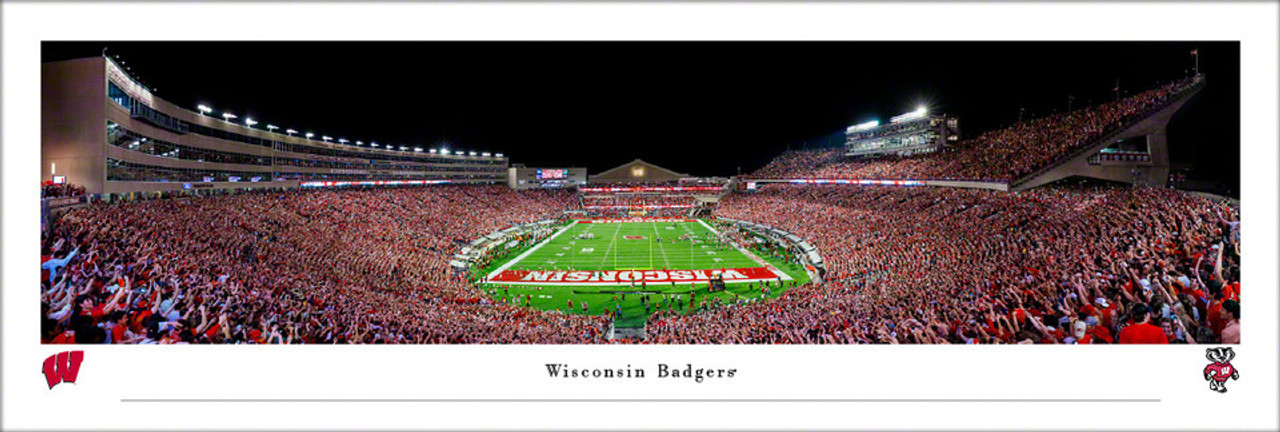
(165, 221)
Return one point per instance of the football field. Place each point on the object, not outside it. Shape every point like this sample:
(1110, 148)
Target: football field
(634, 246)
(600, 262)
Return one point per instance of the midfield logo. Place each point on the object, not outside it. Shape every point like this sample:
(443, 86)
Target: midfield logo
(62, 367)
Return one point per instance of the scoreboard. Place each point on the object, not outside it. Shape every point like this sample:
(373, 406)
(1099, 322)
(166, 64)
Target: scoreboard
(519, 177)
(552, 174)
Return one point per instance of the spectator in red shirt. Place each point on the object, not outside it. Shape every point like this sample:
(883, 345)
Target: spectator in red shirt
(1215, 313)
(1143, 332)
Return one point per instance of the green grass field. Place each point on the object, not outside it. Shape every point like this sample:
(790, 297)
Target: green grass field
(610, 249)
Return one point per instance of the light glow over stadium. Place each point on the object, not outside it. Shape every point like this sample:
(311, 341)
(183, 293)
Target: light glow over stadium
(919, 113)
(863, 126)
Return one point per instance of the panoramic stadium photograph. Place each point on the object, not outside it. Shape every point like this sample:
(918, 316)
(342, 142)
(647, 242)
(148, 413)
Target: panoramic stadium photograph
(640, 192)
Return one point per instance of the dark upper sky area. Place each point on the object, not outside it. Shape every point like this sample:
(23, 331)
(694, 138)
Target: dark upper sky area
(705, 108)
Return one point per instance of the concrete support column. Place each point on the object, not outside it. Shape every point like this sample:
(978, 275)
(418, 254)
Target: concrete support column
(1158, 145)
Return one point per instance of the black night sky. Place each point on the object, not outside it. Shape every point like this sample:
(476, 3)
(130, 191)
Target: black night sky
(705, 108)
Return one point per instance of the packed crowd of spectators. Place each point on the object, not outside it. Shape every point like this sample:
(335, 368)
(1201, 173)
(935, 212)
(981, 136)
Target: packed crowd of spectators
(665, 203)
(623, 184)
(342, 266)
(635, 200)
(624, 212)
(50, 190)
(1000, 155)
(1062, 264)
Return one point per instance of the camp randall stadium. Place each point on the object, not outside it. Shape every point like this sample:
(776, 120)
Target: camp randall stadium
(172, 223)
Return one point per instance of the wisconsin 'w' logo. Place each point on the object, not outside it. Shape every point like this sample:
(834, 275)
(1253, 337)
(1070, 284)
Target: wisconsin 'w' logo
(62, 367)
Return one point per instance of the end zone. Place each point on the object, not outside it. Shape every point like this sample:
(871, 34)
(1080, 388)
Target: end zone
(626, 277)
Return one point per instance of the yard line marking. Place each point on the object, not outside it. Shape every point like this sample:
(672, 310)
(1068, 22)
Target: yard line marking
(664, 248)
(522, 256)
(613, 240)
(650, 253)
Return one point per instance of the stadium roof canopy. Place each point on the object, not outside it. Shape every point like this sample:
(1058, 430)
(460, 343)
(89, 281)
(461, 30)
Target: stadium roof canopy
(637, 171)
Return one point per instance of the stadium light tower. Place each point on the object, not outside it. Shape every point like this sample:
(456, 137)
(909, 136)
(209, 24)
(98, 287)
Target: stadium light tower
(326, 138)
(417, 149)
(373, 143)
(204, 109)
(920, 112)
(433, 151)
(342, 140)
(272, 127)
(359, 143)
(472, 153)
(249, 121)
(498, 155)
(290, 132)
(228, 116)
(309, 135)
(863, 126)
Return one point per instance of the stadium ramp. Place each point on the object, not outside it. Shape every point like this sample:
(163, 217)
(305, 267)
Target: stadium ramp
(1152, 172)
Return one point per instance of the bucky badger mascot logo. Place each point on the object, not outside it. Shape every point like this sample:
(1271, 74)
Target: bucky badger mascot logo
(1220, 370)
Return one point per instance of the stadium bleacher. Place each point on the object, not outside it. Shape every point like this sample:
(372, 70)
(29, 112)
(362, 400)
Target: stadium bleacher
(939, 265)
(1000, 155)
(664, 200)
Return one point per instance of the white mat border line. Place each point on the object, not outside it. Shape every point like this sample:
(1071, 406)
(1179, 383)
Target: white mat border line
(524, 255)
